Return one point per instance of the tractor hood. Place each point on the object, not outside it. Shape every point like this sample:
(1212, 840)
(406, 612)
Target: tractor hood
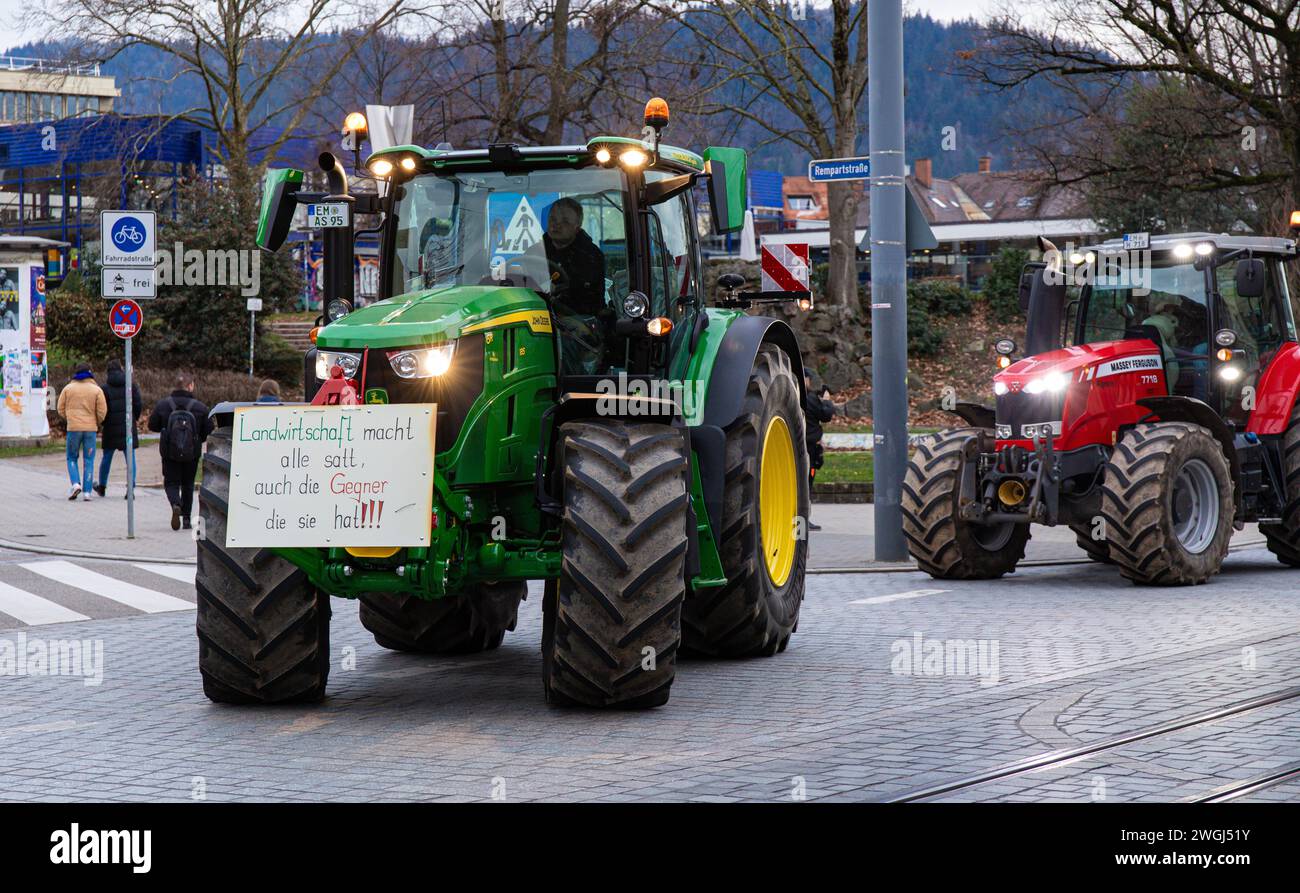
(429, 317)
(1064, 366)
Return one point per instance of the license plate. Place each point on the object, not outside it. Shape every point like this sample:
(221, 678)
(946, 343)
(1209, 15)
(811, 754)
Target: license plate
(1136, 241)
(327, 215)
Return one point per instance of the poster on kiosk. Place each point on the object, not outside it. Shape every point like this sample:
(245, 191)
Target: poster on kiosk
(25, 373)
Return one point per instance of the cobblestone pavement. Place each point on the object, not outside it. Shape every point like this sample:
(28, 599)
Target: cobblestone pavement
(858, 708)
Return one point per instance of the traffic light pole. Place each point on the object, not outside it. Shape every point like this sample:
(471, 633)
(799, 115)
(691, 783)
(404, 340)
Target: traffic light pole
(888, 272)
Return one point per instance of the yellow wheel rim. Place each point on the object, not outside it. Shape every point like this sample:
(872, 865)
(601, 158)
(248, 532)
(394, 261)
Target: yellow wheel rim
(778, 500)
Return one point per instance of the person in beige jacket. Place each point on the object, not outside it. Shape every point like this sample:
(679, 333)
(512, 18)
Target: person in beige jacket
(83, 406)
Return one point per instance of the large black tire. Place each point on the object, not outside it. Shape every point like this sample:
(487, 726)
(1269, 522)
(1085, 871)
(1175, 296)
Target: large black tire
(623, 576)
(1145, 504)
(457, 624)
(1284, 539)
(944, 546)
(755, 613)
(263, 628)
(1096, 549)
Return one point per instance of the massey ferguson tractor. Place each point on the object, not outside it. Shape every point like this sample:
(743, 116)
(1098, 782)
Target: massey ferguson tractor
(519, 288)
(1154, 412)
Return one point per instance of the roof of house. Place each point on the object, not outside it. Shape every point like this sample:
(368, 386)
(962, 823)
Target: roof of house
(1021, 195)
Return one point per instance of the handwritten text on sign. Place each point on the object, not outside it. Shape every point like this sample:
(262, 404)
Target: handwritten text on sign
(332, 475)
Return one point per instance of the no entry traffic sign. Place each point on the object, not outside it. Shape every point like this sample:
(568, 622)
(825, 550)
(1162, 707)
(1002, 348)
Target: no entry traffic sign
(125, 319)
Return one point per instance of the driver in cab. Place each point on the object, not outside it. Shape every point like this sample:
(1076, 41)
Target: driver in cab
(577, 266)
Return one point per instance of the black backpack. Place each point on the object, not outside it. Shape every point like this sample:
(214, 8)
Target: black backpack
(180, 435)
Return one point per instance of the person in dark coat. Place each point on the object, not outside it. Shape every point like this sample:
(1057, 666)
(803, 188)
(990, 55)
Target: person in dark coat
(178, 475)
(816, 409)
(114, 438)
(577, 264)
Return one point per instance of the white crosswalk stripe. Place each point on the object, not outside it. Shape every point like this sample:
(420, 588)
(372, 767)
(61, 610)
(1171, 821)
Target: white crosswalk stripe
(182, 572)
(897, 596)
(32, 609)
(128, 594)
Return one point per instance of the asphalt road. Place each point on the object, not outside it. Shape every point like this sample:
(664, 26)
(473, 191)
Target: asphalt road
(894, 684)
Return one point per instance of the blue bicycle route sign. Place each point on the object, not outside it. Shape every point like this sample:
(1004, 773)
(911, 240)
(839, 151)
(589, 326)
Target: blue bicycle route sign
(822, 170)
(126, 238)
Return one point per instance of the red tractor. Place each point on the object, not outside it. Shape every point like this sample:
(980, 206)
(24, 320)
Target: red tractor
(1154, 411)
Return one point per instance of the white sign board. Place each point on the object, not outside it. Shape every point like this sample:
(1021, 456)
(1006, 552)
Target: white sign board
(331, 475)
(254, 305)
(127, 282)
(127, 238)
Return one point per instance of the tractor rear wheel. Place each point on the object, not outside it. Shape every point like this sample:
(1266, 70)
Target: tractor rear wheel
(1284, 539)
(763, 541)
(456, 624)
(1166, 499)
(1096, 549)
(612, 623)
(263, 628)
(945, 546)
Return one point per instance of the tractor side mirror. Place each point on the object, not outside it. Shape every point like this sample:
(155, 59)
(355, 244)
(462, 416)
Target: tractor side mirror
(1250, 277)
(1027, 275)
(726, 170)
(279, 201)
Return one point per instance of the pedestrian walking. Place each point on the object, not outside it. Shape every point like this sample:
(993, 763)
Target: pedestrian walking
(83, 407)
(184, 424)
(816, 409)
(115, 433)
(269, 392)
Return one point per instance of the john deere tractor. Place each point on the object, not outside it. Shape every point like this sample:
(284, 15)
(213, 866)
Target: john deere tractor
(1153, 411)
(517, 284)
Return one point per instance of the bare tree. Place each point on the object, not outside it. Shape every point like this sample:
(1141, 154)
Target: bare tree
(245, 54)
(806, 64)
(1229, 69)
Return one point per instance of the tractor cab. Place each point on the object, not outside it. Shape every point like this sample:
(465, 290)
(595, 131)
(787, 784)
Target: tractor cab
(1215, 306)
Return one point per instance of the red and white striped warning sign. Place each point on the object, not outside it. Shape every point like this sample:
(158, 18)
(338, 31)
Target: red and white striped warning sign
(785, 267)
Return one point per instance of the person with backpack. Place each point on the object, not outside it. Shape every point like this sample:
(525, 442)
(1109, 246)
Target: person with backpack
(83, 407)
(817, 408)
(184, 424)
(115, 433)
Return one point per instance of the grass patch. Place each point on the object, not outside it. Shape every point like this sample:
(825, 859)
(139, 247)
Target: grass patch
(850, 466)
(21, 451)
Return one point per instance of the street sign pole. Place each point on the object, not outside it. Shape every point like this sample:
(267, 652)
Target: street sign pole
(888, 272)
(252, 329)
(130, 450)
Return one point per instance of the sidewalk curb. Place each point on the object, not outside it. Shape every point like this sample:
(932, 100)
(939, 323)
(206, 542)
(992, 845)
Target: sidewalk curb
(76, 553)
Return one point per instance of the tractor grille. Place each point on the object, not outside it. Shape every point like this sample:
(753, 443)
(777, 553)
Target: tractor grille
(454, 391)
(1019, 409)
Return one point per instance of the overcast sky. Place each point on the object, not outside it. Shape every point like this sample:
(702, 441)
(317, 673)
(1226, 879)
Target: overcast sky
(11, 13)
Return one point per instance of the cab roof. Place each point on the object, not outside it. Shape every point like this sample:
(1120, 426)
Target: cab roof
(504, 153)
(1221, 241)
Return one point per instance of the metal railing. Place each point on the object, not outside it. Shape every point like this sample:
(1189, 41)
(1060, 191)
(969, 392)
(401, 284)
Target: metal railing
(50, 66)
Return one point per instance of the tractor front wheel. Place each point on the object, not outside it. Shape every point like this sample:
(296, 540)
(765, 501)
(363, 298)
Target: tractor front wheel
(263, 628)
(612, 623)
(945, 546)
(457, 624)
(1166, 499)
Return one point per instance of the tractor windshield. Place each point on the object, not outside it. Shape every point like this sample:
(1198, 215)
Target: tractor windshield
(560, 232)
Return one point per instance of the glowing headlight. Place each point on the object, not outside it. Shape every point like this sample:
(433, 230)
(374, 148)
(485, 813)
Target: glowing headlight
(1052, 382)
(1230, 373)
(350, 363)
(1183, 250)
(602, 155)
(999, 388)
(408, 164)
(633, 158)
(1204, 248)
(424, 363)
(381, 168)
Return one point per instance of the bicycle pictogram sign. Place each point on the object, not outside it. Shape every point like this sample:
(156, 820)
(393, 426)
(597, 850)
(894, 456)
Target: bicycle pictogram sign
(125, 319)
(128, 233)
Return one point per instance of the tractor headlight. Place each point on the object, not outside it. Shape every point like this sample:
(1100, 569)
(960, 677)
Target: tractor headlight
(1000, 388)
(427, 362)
(636, 304)
(350, 363)
(1052, 382)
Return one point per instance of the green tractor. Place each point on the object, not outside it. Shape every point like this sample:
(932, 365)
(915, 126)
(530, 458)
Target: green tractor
(599, 427)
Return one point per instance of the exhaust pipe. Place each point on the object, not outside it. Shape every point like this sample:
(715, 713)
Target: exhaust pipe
(339, 246)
